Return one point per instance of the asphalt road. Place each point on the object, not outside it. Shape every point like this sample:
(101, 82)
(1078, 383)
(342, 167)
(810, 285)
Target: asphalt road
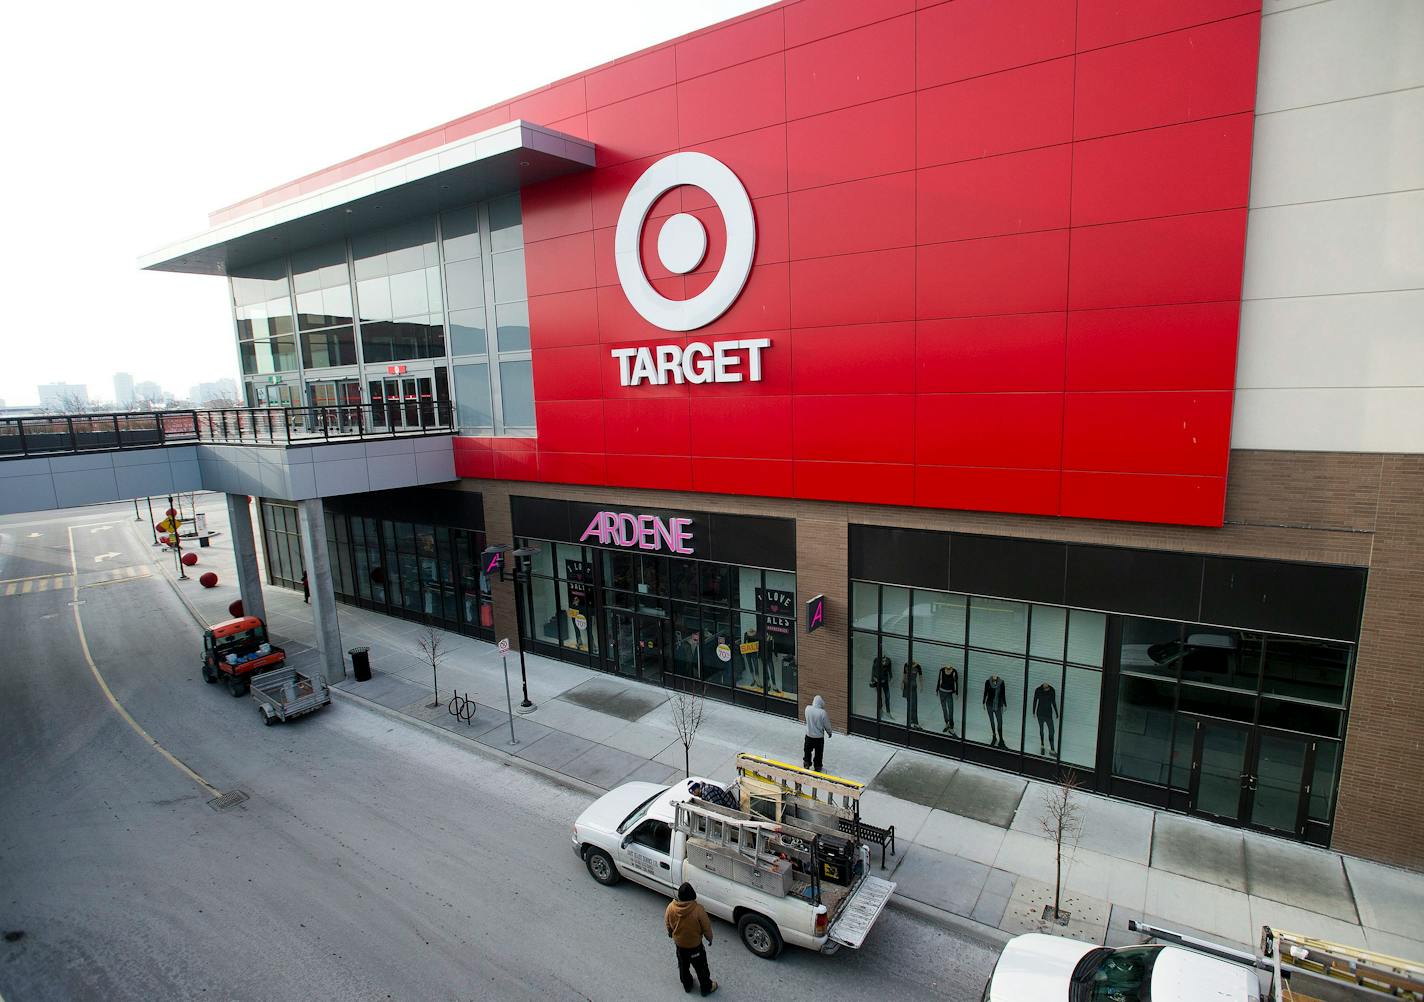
(373, 861)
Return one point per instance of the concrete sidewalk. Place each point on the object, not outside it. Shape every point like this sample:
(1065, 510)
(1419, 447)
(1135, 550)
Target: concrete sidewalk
(969, 840)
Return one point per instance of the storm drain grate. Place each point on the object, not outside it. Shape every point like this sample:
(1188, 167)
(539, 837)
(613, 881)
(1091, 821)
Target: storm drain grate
(228, 800)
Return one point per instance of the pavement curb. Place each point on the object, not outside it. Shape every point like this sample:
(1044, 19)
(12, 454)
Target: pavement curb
(162, 572)
(469, 744)
(951, 921)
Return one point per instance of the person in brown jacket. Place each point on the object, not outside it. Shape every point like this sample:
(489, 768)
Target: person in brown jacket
(687, 926)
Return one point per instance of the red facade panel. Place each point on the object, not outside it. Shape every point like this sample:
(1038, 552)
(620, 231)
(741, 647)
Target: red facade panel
(863, 141)
(969, 38)
(873, 214)
(998, 257)
(1020, 352)
(1000, 113)
(854, 67)
(987, 430)
(992, 196)
(738, 99)
(996, 275)
(1178, 77)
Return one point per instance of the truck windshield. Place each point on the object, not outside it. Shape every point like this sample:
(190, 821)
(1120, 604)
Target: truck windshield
(638, 812)
(1121, 975)
(245, 640)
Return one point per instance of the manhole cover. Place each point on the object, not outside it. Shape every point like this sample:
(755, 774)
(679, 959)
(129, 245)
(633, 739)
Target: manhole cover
(228, 800)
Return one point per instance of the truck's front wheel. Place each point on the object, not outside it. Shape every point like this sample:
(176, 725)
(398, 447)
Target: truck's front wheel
(601, 868)
(210, 674)
(760, 935)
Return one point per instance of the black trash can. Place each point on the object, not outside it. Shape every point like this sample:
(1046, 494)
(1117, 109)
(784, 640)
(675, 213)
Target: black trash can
(361, 663)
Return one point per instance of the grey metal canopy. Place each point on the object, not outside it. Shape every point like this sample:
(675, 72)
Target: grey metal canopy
(495, 162)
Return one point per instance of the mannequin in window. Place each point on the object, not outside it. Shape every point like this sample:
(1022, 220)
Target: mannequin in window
(768, 660)
(995, 700)
(880, 671)
(947, 687)
(1045, 708)
(753, 660)
(910, 689)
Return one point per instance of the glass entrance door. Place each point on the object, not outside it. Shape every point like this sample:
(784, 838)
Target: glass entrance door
(1280, 783)
(1257, 778)
(1219, 777)
(636, 645)
(417, 400)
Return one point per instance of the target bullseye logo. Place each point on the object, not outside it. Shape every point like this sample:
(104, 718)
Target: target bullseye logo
(682, 241)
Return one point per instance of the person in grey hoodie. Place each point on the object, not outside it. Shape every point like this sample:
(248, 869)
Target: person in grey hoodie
(818, 728)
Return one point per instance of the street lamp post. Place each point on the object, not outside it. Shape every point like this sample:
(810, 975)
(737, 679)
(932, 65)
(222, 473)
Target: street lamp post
(522, 557)
(493, 556)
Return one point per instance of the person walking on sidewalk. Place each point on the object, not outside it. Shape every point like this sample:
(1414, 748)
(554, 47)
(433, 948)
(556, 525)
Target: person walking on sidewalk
(818, 728)
(687, 926)
(306, 588)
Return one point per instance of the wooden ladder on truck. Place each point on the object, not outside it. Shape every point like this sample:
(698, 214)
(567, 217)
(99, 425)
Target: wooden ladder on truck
(1373, 974)
(777, 790)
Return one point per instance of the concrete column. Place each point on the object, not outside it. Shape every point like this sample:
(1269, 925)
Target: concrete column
(244, 551)
(311, 517)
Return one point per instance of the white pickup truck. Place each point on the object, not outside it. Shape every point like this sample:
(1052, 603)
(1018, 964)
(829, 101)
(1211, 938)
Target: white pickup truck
(787, 878)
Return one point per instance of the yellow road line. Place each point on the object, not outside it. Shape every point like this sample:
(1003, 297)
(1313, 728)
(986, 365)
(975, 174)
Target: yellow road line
(113, 581)
(35, 577)
(108, 693)
(26, 587)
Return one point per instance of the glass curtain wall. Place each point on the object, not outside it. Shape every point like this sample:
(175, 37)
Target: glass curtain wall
(262, 306)
(322, 283)
(408, 569)
(677, 622)
(489, 316)
(1012, 676)
(462, 273)
(414, 570)
(398, 293)
(282, 544)
(1202, 708)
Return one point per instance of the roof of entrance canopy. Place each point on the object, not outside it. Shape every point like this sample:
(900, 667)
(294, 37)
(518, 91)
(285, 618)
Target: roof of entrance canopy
(490, 163)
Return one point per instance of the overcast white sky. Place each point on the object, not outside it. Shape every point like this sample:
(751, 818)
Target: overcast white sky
(125, 124)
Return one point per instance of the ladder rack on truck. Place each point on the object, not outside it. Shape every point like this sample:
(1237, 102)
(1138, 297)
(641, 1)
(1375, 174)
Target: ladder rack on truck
(779, 790)
(1373, 973)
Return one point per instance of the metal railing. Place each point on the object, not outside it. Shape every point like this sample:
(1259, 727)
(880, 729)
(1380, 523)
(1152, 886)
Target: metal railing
(61, 434)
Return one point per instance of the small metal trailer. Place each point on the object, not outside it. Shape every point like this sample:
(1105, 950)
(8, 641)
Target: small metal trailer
(287, 693)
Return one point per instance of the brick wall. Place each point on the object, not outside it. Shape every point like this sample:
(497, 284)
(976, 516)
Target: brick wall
(1381, 800)
(1340, 508)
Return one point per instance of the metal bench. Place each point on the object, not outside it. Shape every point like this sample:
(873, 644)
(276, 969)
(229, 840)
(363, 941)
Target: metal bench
(882, 837)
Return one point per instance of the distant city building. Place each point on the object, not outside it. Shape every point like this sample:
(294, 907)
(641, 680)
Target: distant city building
(123, 389)
(148, 392)
(63, 395)
(205, 393)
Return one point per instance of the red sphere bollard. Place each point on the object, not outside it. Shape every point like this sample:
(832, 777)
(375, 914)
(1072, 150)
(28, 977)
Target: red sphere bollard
(234, 608)
(170, 513)
(163, 540)
(208, 580)
(190, 559)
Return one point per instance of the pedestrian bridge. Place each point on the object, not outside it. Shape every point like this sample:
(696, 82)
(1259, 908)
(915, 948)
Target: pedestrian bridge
(293, 453)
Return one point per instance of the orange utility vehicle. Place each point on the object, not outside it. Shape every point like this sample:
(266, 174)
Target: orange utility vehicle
(236, 650)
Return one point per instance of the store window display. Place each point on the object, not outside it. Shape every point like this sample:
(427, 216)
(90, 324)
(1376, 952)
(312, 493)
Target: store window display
(728, 628)
(989, 671)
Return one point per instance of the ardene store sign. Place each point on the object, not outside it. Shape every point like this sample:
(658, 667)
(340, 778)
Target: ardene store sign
(645, 532)
(699, 362)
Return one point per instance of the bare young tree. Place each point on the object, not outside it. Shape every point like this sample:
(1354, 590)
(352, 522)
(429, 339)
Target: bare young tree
(687, 711)
(432, 652)
(1062, 822)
